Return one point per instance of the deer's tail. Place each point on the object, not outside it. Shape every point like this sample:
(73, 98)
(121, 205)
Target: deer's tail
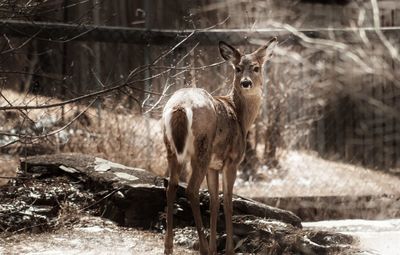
(177, 123)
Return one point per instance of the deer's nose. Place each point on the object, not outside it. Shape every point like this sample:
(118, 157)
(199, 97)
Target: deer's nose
(246, 83)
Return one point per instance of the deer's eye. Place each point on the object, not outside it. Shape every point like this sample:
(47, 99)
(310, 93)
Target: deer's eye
(238, 69)
(256, 69)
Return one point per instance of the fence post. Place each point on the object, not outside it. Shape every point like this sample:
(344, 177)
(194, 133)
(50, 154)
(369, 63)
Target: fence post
(147, 84)
(97, 50)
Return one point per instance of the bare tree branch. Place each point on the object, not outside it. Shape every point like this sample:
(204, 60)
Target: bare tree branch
(54, 132)
(128, 83)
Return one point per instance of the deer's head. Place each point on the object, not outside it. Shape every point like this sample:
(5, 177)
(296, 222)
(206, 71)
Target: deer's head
(248, 67)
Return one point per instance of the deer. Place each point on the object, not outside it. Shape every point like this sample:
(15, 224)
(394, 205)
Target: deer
(210, 133)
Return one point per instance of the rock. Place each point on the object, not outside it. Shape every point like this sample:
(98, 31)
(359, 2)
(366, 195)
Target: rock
(136, 198)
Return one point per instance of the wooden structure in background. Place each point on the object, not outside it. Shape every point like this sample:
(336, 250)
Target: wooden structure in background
(348, 128)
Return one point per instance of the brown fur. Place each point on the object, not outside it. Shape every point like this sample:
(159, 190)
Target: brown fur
(219, 126)
(179, 128)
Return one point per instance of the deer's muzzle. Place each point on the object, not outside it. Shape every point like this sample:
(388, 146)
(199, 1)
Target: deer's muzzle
(246, 83)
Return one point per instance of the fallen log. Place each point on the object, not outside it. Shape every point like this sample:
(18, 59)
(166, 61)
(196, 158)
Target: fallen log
(136, 198)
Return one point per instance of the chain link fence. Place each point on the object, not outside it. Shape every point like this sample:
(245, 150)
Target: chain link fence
(330, 92)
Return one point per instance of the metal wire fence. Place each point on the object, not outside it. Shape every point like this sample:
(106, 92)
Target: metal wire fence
(333, 91)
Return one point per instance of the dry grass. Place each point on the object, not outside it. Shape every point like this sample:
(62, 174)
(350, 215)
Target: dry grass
(125, 138)
(8, 166)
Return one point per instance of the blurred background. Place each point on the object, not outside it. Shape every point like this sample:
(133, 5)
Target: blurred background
(92, 77)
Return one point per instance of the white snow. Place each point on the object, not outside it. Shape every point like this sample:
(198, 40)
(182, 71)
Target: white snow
(375, 236)
(126, 176)
(93, 229)
(103, 165)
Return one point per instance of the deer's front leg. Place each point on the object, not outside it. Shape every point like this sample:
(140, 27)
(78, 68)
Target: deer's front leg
(229, 176)
(212, 183)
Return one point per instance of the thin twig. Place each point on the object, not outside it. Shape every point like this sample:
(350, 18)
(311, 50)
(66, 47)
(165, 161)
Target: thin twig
(107, 90)
(14, 177)
(22, 44)
(34, 138)
(188, 66)
(101, 199)
(25, 115)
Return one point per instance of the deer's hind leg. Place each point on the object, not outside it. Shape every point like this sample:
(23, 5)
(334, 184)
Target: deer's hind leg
(200, 162)
(174, 169)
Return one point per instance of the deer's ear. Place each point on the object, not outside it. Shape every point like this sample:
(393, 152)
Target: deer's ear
(265, 51)
(229, 53)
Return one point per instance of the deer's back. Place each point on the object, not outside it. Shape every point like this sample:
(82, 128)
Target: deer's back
(212, 124)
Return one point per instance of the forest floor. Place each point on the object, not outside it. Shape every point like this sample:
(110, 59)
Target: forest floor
(77, 232)
(92, 235)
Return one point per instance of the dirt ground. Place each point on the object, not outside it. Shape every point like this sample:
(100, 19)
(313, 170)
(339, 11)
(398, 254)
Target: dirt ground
(91, 235)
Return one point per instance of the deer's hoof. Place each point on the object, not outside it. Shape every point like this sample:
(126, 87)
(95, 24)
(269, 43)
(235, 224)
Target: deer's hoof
(214, 252)
(168, 251)
(203, 252)
(230, 252)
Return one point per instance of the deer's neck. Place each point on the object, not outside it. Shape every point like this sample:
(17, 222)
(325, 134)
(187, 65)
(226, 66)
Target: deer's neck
(246, 108)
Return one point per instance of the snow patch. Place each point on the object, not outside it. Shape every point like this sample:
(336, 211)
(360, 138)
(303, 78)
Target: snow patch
(103, 165)
(357, 225)
(93, 229)
(68, 169)
(375, 236)
(126, 176)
